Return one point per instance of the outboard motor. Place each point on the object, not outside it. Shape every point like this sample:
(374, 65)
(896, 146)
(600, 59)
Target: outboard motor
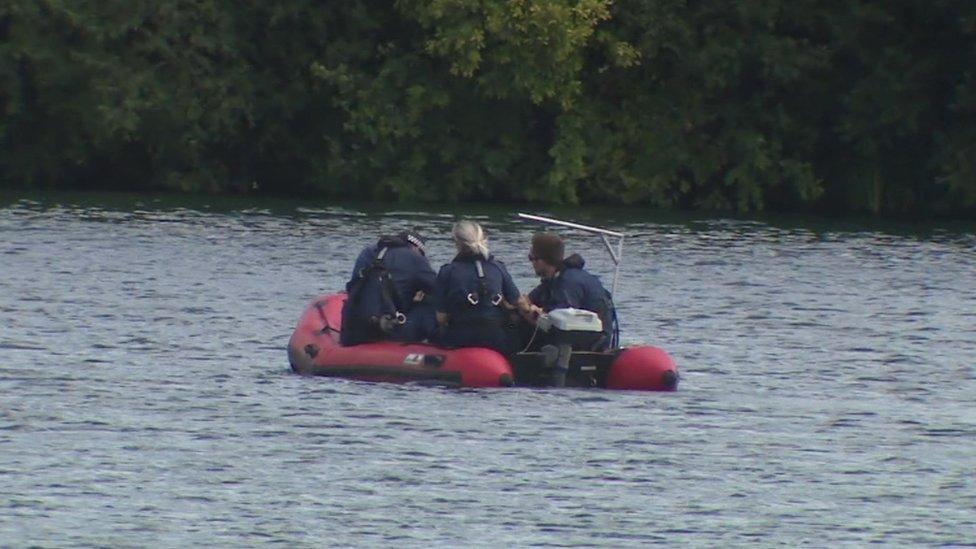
(567, 328)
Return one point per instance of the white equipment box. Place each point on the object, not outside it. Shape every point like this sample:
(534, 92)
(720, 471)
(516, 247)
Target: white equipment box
(571, 320)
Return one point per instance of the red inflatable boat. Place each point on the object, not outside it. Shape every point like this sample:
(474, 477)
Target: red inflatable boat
(314, 350)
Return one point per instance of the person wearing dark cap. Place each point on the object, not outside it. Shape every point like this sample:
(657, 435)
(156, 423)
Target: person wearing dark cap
(475, 294)
(565, 283)
(388, 293)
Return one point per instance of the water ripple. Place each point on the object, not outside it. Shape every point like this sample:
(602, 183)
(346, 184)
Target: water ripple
(827, 397)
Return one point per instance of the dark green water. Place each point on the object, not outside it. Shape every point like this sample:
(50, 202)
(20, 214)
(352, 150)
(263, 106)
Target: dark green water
(828, 391)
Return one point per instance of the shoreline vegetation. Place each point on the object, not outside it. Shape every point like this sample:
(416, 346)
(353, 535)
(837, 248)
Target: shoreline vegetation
(842, 108)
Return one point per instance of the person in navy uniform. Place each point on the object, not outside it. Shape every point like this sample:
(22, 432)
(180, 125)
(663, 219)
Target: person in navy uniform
(389, 293)
(564, 283)
(475, 294)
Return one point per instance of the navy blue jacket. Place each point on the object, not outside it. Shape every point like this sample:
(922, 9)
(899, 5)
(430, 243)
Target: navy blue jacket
(481, 324)
(409, 271)
(574, 287)
(459, 278)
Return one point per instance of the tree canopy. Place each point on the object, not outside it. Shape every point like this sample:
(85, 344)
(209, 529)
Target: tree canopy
(863, 105)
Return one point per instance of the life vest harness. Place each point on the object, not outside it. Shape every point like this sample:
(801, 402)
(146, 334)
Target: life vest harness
(475, 298)
(391, 300)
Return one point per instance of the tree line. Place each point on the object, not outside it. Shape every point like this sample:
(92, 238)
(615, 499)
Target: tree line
(854, 105)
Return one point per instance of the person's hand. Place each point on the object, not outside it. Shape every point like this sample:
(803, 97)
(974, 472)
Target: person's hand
(419, 296)
(531, 313)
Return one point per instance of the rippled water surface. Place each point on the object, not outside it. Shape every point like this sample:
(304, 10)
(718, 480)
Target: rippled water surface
(828, 390)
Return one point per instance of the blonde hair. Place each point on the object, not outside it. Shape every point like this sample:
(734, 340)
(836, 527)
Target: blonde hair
(469, 236)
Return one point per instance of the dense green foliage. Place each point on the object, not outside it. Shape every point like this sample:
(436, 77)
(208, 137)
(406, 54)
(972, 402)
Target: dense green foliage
(861, 105)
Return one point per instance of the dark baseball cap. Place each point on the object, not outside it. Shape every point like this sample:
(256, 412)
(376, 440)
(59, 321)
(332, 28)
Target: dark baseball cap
(413, 237)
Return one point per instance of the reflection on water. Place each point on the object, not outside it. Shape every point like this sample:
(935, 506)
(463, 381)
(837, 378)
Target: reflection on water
(828, 392)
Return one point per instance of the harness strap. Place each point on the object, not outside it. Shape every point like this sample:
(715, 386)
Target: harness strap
(388, 291)
(390, 295)
(473, 298)
(398, 318)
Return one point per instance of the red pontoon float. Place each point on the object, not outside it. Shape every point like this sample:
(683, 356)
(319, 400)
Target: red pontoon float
(314, 349)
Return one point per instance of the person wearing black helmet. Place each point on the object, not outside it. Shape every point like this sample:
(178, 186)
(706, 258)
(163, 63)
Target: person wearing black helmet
(388, 292)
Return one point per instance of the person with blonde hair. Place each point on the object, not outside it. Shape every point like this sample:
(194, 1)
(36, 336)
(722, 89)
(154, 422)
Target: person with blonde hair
(474, 294)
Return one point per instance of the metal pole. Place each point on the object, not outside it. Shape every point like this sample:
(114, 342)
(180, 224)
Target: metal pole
(616, 270)
(569, 224)
(616, 257)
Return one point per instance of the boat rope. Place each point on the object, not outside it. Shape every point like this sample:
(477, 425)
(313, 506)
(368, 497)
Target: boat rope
(531, 339)
(325, 319)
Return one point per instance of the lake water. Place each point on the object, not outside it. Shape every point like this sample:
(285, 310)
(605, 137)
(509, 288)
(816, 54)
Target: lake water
(827, 397)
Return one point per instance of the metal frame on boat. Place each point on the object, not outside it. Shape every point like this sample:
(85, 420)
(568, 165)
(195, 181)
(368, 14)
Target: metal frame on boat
(616, 256)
